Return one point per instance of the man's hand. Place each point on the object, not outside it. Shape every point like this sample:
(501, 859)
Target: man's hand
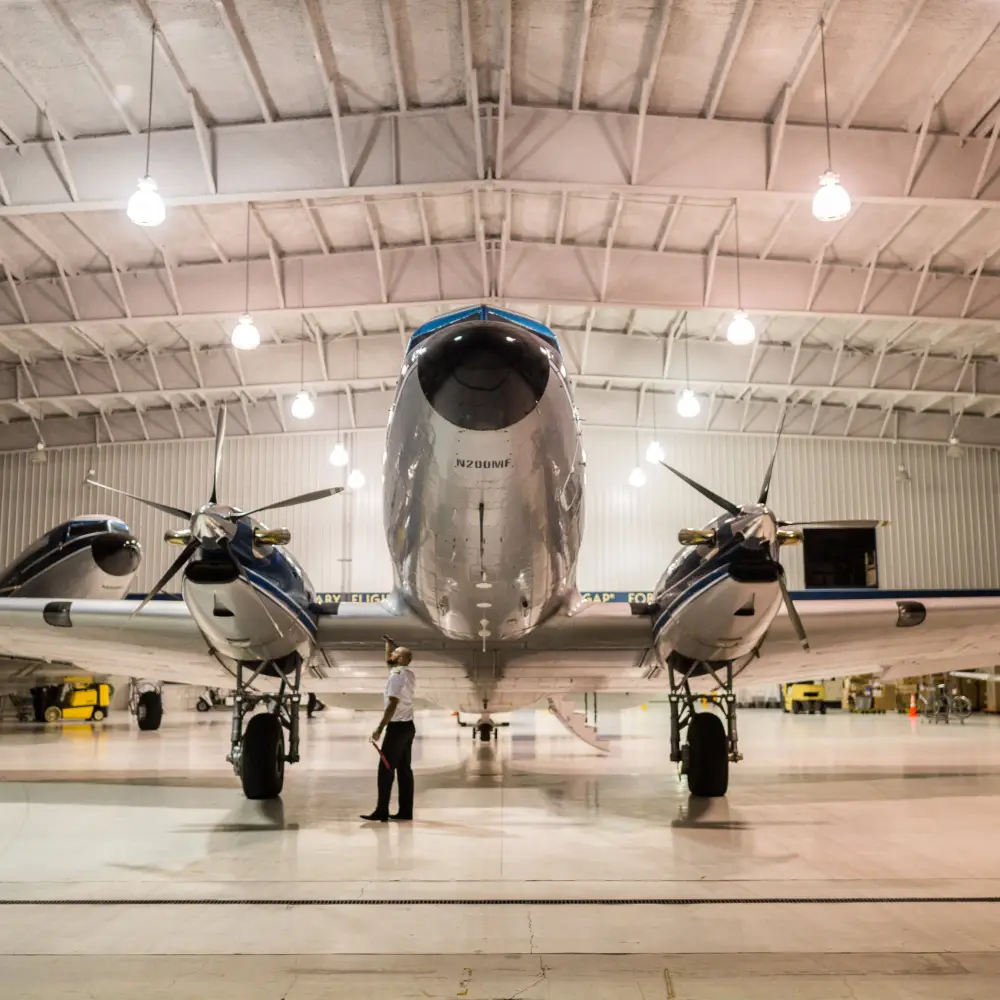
(377, 735)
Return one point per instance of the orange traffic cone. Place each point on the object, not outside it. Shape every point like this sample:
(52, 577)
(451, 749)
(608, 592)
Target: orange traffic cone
(913, 706)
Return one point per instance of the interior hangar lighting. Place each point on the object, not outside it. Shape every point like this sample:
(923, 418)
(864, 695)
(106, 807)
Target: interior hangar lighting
(145, 207)
(245, 335)
(356, 479)
(741, 329)
(655, 453)
(831, 203)
(637, 477)
(339, 456)
(687, 404)
(303, 406)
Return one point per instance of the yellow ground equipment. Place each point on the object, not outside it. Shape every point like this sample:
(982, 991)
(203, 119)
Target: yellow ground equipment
(805, 697)
(77, 698)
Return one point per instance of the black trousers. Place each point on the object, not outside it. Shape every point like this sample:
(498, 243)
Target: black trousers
(396, 748)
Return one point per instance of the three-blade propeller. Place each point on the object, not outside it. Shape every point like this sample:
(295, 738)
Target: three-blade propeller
(734, 509)
(208, 525)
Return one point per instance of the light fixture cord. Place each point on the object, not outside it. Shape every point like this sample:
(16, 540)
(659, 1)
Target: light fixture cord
(687, 355)
(149, 113)
(246, 300)
(302, 353)
(826, 93)
(739, 284)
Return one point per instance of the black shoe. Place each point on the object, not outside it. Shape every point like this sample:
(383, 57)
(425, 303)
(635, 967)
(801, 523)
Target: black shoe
(401, 818)
(375, 818)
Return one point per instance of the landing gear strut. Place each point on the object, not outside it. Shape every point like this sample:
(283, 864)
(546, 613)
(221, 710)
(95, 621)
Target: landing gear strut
(258, 753)
(711, 742)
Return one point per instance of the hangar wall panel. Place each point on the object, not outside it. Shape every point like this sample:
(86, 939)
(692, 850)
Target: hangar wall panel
(943, 531)
(944, 521)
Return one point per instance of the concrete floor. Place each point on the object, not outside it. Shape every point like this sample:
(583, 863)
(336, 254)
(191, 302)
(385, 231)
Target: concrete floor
(101, 826)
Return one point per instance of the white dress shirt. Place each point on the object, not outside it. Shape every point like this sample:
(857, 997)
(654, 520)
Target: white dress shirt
(400, 685)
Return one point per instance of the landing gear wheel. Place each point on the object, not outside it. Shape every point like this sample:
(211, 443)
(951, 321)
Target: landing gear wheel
(262, 760)
(149, 710)
(53, 713)
(486, 730)
(707, 756)
(97, 715)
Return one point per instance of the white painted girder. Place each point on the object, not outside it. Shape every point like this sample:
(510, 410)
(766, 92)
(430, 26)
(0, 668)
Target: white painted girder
(449, 274)
(544, 149)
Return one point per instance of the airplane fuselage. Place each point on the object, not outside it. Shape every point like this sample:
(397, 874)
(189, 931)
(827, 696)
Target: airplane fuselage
(484, 477)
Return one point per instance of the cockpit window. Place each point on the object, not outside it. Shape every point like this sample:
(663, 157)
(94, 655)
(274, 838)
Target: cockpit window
(78, 529)
(119, 526)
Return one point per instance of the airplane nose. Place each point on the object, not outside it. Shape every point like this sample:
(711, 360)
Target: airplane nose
(483, 376)
(116, 554)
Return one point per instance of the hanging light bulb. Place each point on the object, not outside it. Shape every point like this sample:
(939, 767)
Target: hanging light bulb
(954, 449)
(902, 473)
(637, 477)
(245, 336)
(303, 406)
(655, 452)
(741, 330)
(831, 202)
(687, 404)
(145, 207)
(339, 457)
(356, 479)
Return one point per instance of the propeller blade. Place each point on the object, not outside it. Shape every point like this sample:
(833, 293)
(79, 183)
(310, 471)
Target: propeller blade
(174, 511)
(858, 523)
(165, 579)
(227, 548)
(793, 614)
(725, 504)
(766, 485)
(220, 434)
(292, 501)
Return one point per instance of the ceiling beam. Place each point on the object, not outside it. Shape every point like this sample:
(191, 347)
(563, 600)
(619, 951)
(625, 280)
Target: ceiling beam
(725, 159)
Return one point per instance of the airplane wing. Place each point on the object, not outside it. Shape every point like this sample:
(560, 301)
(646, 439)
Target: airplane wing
(893, 637)
(42, 638)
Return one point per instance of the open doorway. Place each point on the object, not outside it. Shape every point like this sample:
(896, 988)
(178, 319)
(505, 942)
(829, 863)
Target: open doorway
(840, 557)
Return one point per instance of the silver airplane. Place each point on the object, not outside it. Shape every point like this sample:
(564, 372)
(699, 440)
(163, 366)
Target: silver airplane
(90, 556)
(483, 508)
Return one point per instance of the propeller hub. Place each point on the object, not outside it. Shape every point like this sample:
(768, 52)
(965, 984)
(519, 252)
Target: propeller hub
(211, 523)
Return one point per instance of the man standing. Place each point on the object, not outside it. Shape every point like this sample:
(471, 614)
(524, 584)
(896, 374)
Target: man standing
(397, 722)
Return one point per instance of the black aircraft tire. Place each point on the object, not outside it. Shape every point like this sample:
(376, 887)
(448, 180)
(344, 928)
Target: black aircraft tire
(262, 763)
(708, 756)
(149, 711)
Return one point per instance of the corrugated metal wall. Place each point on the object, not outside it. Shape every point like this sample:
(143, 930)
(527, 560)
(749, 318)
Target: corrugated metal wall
(943, 531)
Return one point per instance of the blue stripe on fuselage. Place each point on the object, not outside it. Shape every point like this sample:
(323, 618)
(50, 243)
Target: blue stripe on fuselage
(283, 598)
(483, 313)
(698, 587)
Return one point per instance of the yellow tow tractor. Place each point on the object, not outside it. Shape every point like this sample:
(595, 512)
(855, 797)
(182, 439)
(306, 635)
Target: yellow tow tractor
(803, 697)
(77, 698)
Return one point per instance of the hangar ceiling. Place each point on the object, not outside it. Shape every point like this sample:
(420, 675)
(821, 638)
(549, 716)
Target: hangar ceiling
(580, 161)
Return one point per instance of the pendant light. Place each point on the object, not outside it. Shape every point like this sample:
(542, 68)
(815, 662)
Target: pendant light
(303, 406)
(831, 203)
(654, 450)
(339, 457)
(145, 207)
(246, 336)
(356, 479)
(741, 330)
(637, 477)
(687, 403)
